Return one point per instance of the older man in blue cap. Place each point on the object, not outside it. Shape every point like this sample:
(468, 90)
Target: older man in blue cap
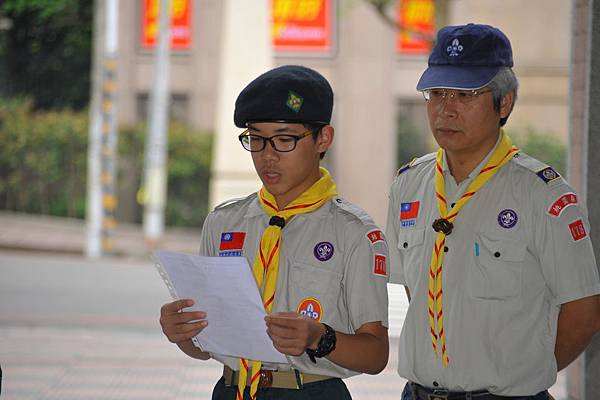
(492, 246)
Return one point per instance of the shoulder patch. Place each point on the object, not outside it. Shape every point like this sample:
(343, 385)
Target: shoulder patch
(543, 171)
(548, 174)
(415, 161)
(405, 167)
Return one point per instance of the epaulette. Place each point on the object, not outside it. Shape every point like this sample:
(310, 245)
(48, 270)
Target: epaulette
(542, 170)
(230, 202)
(415, 161)
(353, 210)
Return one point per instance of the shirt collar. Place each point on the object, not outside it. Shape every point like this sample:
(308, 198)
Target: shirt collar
(479, 167)
(255, 209)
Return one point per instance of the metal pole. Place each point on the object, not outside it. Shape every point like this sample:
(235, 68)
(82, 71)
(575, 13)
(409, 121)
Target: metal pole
(94, 196)
(103, 133)
(155, 179)
(109, 128)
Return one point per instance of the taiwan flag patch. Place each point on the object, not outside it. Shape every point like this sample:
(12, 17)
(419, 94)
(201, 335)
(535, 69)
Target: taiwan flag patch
(409, 213)
(231, 244)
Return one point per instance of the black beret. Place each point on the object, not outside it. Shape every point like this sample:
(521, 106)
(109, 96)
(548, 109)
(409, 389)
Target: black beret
(291, 93)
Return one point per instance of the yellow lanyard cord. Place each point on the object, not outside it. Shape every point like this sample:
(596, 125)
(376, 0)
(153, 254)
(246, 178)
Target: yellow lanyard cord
(266, 261)
(443, 226)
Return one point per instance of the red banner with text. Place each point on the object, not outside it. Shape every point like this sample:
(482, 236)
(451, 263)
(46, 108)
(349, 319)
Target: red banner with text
(302, 26)
(181, 24)
(417, 26)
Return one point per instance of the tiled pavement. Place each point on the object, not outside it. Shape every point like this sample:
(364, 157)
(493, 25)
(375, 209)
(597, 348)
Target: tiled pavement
(70, 364)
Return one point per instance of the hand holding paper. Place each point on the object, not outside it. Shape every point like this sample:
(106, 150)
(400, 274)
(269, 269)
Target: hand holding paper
(225, 289)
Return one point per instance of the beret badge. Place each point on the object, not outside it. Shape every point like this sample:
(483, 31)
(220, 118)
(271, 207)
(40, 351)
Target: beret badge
(294, 101)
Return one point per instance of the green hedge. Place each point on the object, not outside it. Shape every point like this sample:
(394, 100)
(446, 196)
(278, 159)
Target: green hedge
(43, 157)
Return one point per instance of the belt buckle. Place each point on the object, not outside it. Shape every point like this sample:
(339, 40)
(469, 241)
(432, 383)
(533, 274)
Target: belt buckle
(438, 395)
(266, 379)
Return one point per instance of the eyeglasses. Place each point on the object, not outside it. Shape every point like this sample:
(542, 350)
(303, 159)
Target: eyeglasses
(281, 143)
(436, 96)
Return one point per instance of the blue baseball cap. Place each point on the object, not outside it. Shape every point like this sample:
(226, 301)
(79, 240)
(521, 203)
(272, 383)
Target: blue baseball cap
(466, 57)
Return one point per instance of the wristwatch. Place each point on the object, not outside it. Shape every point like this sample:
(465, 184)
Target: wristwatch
(326, 345)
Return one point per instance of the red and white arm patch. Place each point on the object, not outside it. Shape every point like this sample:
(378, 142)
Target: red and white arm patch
(577, 230)
(380, 265)
(375, 236)
(564, 201)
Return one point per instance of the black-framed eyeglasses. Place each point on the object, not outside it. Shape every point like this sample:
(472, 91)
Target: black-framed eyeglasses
(435, 96)
(281, 143)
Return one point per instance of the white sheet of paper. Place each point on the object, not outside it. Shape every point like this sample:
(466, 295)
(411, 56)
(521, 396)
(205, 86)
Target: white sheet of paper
(225, 289)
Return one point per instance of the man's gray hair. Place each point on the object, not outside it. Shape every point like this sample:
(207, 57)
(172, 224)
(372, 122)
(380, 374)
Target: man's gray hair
(504, 82)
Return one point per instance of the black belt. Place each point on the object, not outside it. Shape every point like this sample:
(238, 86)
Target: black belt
(423, 393)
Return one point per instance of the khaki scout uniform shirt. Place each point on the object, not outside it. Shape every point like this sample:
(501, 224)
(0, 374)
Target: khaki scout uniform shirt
(329, 269)
(519, 249)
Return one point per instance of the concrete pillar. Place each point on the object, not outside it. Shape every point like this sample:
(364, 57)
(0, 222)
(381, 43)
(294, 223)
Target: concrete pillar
(364, 149)
(246, 53)
(583, 376)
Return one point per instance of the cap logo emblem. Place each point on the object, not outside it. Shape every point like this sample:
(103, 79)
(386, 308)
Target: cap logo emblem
(294, 102)
(455, 48)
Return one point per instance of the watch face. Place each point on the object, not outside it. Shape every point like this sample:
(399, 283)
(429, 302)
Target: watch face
(327, 342)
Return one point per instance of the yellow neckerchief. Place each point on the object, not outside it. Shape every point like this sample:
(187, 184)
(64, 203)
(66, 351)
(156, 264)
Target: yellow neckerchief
(266, 262)
(503, 153)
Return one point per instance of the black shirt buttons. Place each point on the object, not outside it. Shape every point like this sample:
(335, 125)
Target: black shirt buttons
(497, 254)
(405, 245)
(445, 249)
(436, 384)
(452, 205)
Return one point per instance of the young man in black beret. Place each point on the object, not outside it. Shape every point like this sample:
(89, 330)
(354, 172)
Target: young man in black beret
(320, 262)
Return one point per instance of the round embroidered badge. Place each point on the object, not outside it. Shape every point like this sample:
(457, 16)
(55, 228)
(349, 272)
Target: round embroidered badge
(507, 218)
(323, 251)
(310, 307)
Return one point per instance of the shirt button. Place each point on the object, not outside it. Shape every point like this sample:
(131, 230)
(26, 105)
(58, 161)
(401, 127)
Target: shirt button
(436, 384)
(497, 254)
(452, 205)
(445, 249)
(405, 245)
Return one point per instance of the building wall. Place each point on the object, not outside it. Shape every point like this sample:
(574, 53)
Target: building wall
(371, 82)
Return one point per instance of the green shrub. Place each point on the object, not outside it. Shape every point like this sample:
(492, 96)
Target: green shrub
(411, 142)
(542, 145)
(43, 158)
(188, 171)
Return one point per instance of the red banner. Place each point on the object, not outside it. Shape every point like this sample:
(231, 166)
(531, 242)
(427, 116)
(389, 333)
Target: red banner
(417, 26)
(301, 26)
(181, 24)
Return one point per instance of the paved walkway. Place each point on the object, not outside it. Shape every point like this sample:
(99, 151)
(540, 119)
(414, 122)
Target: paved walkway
(68, 235)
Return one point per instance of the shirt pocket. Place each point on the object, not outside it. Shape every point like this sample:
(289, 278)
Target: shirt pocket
(410, 247)
(497, 271)
(308, 282)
